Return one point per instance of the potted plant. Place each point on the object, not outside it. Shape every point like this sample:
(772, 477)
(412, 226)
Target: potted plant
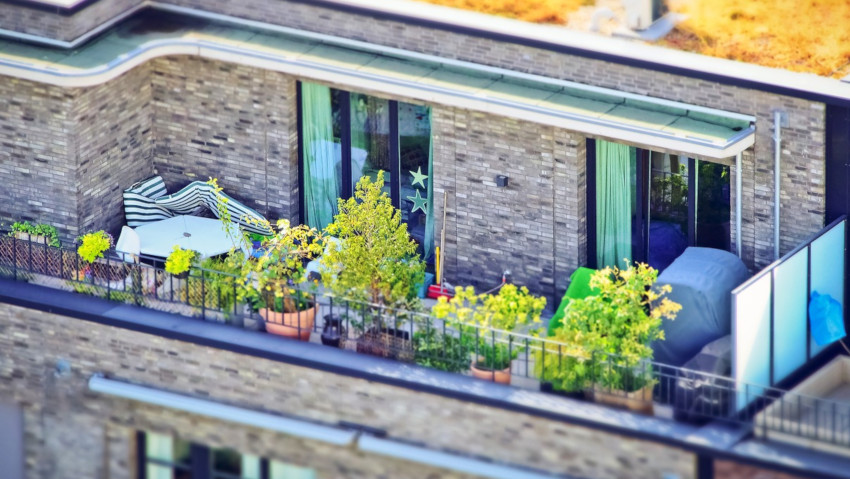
(376, 265)
(443, 351)
(38, 233)
(603, 346)
(96, 268)
(488, 318)
(179, 262)
(93, 245)
(276, 280)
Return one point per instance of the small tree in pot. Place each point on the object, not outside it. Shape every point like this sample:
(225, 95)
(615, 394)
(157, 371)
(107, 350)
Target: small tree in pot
(484, 319)
(376, 263)
(607, 338)
(276, 276)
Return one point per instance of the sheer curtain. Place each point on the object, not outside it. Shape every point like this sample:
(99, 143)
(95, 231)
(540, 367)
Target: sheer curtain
(613, 204)
(321, 185)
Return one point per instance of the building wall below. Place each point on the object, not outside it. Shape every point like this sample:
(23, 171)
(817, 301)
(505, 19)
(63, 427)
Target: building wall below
(72, 432)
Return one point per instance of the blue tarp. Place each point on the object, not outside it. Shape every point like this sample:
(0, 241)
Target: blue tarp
(702, 281)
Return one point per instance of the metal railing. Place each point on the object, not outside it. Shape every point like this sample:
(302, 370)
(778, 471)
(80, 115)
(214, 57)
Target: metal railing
(521, 359)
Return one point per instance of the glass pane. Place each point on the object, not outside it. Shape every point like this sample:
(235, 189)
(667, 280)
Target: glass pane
(280, 470)
(668, 208)
(227, 460)
(182, 452)
(158, 446)
(156, 471)
(414, 131)
(370, 139)
(322, 153)
(250, 467)
(713, 206)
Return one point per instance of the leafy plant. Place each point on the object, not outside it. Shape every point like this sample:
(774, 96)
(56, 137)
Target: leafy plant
(606, 338)
(540, 11)
(47, 231)
(441, 351)
(376, 259)
(93, 245)
(485, 317)
(180, 260)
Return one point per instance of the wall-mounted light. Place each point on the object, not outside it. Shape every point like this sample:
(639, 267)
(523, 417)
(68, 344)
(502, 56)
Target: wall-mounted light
(501, 181)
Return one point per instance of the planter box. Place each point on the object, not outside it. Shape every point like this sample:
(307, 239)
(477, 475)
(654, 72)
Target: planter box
(386, 343)
(297, 325)
(38, 239)
(639, 401)
(814, 414)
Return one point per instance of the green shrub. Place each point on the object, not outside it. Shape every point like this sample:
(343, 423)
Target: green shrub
(93, 245)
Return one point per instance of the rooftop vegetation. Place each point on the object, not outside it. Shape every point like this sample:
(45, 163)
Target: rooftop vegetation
(806, 36)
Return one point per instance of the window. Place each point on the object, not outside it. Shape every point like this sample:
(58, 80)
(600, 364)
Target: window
(346, 136)
(650, 206)
(164, 457)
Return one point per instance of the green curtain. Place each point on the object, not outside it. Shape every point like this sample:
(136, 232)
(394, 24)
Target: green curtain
(321, 185)
(428, 247)
(614, 194)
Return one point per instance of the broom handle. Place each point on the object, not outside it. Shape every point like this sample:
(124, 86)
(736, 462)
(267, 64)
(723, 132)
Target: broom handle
(443, 241)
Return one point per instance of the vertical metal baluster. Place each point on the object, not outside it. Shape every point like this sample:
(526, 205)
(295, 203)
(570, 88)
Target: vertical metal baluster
(203, 294)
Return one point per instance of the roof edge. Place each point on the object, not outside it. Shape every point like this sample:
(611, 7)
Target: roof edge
(627, 52)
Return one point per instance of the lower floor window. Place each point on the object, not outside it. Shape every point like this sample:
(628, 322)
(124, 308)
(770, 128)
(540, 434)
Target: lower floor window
(165, 457)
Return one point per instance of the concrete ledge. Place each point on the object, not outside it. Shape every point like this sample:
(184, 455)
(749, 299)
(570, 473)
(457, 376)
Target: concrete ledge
(714, 440)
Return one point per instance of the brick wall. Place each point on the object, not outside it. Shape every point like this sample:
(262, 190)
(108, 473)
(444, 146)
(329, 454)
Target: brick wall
(70, 432)
(532, 227)
(54, 25)
(37, 165)
(113, 145)
(237, 123)
(802, 182)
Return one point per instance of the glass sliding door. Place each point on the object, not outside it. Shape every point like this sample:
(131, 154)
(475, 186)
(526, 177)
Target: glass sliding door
(416, 186)
(346, 136)
(650, 206)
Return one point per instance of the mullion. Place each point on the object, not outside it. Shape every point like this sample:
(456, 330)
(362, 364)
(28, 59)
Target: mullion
(345, 142)
(692, 202)
(300, 125)
(395, 160)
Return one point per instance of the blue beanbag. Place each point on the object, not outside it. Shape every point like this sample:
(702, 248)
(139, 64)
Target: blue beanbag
(825, 319)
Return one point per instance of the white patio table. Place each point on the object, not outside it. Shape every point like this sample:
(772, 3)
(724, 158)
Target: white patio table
(204, 235)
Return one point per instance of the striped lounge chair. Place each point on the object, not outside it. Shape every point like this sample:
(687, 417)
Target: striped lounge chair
(146, 201)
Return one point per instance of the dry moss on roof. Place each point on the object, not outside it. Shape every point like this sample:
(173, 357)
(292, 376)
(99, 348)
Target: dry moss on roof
(800, 35)
(538, 11)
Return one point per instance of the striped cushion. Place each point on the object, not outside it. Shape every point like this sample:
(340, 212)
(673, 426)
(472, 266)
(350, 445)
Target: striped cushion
(140, 202)
(200, 193)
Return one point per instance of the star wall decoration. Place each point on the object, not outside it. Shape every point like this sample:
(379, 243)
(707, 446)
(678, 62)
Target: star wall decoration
(418, 177)
(418, 202)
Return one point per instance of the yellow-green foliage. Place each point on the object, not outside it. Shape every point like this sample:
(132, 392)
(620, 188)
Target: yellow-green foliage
(93, 245)
(799, 35)
(376, 258)
(468, 312)
(608, 335)
(179, 261)
(539, 11)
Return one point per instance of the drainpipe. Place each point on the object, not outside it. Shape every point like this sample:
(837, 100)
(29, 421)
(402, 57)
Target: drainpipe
(777, 149)
(738, 202)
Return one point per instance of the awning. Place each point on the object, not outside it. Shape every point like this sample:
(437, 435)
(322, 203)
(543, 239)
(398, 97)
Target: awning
(596, 112)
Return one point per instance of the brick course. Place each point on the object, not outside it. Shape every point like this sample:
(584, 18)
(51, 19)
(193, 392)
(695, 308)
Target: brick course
(71, 432)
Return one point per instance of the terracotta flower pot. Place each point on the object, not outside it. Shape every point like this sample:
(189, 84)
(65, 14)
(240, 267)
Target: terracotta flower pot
(501, 376)
(291, 325)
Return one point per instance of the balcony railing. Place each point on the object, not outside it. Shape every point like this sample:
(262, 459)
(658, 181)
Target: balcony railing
(420, 338)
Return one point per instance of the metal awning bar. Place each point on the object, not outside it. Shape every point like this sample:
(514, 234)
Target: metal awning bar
(594, 111)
